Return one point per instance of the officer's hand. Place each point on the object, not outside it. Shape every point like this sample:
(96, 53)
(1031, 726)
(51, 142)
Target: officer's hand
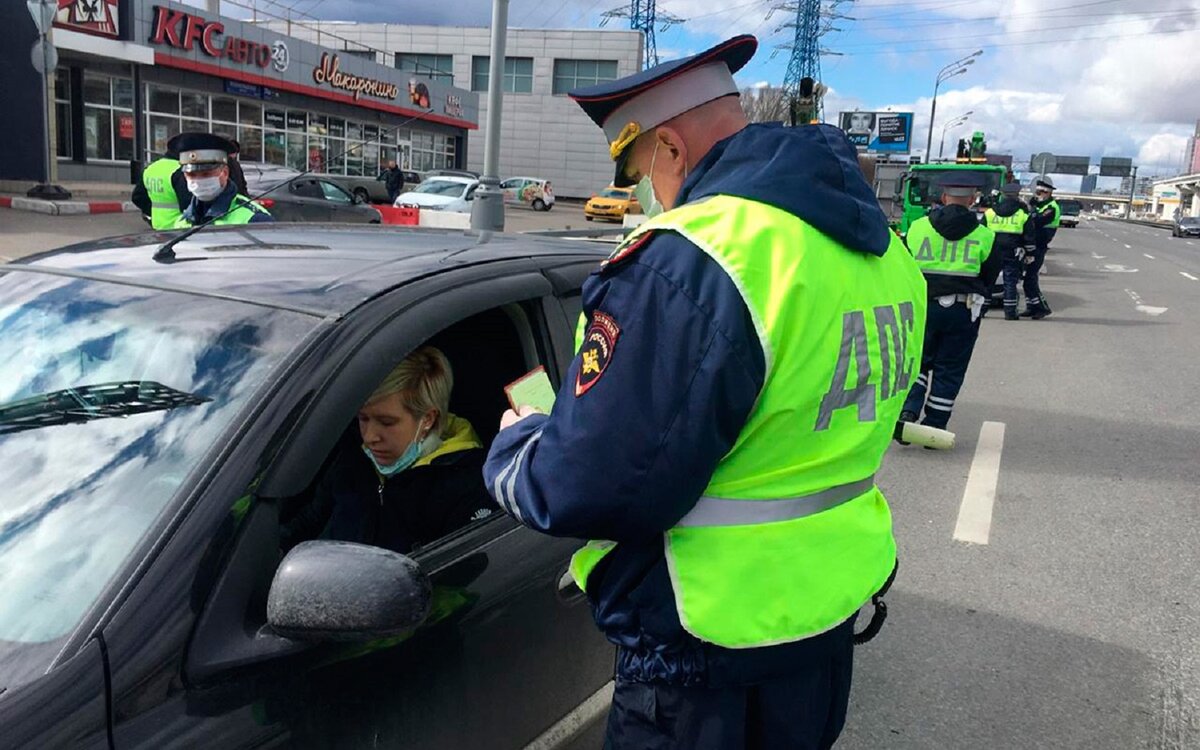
(511, 417)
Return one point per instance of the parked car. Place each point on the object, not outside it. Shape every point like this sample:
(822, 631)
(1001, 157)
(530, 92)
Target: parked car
(310, 198)
(611, 203)
(1187, 226)
(369, 188)
(452, 173)
(528, 191)
(262, 173)
(160, 423)
(442, 193)
(1070, 212)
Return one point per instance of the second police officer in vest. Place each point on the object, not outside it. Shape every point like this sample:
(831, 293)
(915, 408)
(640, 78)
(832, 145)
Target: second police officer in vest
(1009, 219)
(955, 253)
(1046, 214)
(204, 160)
(162, 192)
(746, 354)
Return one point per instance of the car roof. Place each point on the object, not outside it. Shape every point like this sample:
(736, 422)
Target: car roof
(451, 178)
(318, 269)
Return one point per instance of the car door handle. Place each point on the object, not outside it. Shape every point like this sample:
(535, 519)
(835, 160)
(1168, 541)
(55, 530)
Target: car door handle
(569, 592)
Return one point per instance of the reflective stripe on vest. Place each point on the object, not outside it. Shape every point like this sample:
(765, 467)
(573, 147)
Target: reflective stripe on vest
(937, 255)
(718, 511)
(164, 203)
(1014, 224)
(789, 539)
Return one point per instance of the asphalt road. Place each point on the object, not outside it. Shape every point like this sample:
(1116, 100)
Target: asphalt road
(1077, 624)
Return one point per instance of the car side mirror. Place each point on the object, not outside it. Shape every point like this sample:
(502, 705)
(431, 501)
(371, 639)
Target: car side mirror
(325, 590)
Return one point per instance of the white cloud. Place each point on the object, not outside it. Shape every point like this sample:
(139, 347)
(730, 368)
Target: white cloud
(1165, 149)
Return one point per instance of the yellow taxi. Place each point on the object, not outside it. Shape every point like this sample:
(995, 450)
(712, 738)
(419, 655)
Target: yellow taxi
(611, 203)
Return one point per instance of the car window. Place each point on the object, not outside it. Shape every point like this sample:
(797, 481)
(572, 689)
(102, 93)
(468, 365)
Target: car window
(615, 193)
(334, 193)
(109, 397)
(485, 352)
(509, 184)
(307, 189)
(441, 187)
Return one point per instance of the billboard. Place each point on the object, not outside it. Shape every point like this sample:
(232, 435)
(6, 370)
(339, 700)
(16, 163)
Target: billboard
(883, 132)
(1112, 166)
(1072, 164)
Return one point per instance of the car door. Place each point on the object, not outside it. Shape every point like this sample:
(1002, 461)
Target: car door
(511, 189)
(308, 199)
(509, 649)
(340, 203)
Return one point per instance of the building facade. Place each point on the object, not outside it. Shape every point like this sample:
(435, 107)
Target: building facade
(1191, 159)
(133, 73)
(543, 133)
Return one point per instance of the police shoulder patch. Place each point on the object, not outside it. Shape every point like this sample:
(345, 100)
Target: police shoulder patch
(625, 250)
(597, 351)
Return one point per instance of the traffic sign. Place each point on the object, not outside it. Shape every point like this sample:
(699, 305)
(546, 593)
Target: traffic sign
(43, 14)
(1043, 163)
(44, 57)
(1071, 164)
(1114, 166)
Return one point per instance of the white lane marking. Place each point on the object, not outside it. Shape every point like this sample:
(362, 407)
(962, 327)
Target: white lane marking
(1129, 247)
(1116, 268)
(1148, 255)
(1148, 309)
(569, 726)
(1185, 273)
(1190, 242)
(1097, 256)
(975, 513)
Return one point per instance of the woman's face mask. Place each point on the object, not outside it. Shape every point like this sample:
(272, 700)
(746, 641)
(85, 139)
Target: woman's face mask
(407, 459)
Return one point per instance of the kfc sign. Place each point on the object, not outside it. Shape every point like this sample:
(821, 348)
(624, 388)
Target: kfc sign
(182, 30)
(98, 17)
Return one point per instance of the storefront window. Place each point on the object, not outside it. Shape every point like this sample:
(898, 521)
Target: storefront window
(251, 140)
(224, 109)
(225, 130)
(250, 113)
(297, 153)
(193, 105)
(274, 147)
(62, 112)
(164, 101)
(107, 122)
(162, 129)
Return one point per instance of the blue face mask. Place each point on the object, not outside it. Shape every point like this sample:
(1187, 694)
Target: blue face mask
(407, 459)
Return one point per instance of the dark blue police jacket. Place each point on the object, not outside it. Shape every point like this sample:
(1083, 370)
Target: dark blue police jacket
(628, 450)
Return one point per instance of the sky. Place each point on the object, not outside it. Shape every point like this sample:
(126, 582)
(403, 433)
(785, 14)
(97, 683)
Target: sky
(1072, 77)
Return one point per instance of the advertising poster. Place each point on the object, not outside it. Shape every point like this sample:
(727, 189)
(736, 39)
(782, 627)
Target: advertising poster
(885, 132)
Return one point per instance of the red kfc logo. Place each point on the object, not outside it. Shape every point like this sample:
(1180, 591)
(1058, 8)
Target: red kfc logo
(89, 16)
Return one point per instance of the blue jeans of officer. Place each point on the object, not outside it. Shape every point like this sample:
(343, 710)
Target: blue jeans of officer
(801, 710)
(1033, 288)
(949, 340)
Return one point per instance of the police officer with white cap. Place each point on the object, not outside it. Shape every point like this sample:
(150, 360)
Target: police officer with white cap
(954, 252)
(204, 161)
(742, 363)
(1046, 215)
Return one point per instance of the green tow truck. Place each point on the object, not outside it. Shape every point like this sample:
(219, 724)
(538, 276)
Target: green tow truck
(917, 189)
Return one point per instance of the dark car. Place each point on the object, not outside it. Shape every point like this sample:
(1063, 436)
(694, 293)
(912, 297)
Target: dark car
(161, 423)
(1187, 226)
(315, 199)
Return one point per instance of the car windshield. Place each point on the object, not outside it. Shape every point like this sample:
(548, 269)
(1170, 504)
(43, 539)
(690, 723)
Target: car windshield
(1070, 208)
(110, 396)
(1190, 221)
(923, 187)
(614, 193)
(441, 187)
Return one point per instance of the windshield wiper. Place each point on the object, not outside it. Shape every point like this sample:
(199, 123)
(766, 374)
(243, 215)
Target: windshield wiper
(89, 402)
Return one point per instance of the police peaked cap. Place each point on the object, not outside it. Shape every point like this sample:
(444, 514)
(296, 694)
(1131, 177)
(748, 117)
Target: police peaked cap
(1011, 188)
(199, 152)
(961, 183)
(1044, 182)
(629, 106)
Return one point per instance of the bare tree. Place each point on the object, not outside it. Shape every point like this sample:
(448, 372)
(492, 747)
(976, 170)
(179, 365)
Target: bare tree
(765, 104)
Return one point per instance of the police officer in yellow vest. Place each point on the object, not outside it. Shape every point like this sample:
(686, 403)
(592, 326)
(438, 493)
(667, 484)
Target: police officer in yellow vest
(1009, 219)
(1046, 214)
(744, 360)
(162, 192)
(954, 252)
(203, 158)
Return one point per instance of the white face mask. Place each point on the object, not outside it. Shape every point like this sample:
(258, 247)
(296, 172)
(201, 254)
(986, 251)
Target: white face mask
(644, 190)
(205, 188)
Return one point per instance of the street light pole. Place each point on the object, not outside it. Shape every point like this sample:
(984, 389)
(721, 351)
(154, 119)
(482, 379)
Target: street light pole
(943, 75)
(953, 123)
(487, 213)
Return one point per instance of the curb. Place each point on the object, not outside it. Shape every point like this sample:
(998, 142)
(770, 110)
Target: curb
(66, 208)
